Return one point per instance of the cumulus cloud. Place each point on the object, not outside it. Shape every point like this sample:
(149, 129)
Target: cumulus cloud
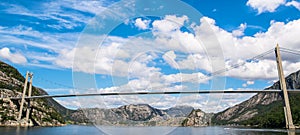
(191, 62)
(142, 24)
(294, 3)
(238, 50)
(91, 59)
(170, 57)
(183, 50)
(240, 31)
(271, 5)
(169, 23)
(182, 77)
(265, 6)
(17, 58)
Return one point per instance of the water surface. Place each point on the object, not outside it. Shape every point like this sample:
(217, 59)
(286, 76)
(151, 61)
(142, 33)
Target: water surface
(93, 130)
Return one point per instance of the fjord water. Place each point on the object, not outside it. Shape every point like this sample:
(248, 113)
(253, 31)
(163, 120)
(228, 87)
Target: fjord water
(92, 130)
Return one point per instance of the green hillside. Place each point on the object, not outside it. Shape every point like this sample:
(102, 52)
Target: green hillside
(263, 109)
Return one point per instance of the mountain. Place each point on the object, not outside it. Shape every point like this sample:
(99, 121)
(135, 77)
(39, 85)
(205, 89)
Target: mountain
(44, 112)
(263, 109)
(179, 111)
(197, 118)
(137, 115)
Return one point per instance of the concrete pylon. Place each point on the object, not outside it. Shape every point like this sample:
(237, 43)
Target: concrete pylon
(287, 109)
(23, 97)
(29, 95)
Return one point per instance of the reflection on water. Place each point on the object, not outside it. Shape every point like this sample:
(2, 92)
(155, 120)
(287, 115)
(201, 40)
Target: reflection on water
(291, 132)
(250, 131)
(92, 130)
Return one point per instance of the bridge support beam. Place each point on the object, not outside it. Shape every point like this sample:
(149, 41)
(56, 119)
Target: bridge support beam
(23, 98)
(287, 109)
(28, 101)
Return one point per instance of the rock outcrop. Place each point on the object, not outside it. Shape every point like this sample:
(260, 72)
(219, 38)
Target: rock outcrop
(197, 118)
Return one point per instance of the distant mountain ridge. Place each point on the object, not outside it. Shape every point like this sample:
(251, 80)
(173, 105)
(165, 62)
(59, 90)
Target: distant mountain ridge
(134, 115)
(179, 111)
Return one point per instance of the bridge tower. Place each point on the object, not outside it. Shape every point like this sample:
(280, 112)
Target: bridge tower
(30, 75)
(28, 101)
(286, 108)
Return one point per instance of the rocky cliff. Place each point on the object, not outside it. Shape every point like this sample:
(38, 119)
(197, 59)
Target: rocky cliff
(262, 106)
(44, 112)
(197, 118)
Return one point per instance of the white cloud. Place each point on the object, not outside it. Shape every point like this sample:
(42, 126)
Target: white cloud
(90, 58)
(142, 24)
(263, 69)
(265, 6)
(294, 3)
(140, 84)
(18, 58)
(141, 70)
(65, 59)
(56, 12)
(169, 23)
(195, 62)
(248, 83)
(240, 31)
(238, 50)
(192, 61)
(182, 77)
(183, 42)
(179, 41)
(170, 57)
(40, 48)
(190, 54)
(92, 7)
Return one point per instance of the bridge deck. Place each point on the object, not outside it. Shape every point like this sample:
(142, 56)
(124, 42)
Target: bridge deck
(155, 93)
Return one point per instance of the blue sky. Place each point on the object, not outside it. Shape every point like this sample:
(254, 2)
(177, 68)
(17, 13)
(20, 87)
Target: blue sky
(120, 46)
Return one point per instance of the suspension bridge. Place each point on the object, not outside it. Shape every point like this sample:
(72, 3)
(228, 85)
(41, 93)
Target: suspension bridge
(283, 89)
